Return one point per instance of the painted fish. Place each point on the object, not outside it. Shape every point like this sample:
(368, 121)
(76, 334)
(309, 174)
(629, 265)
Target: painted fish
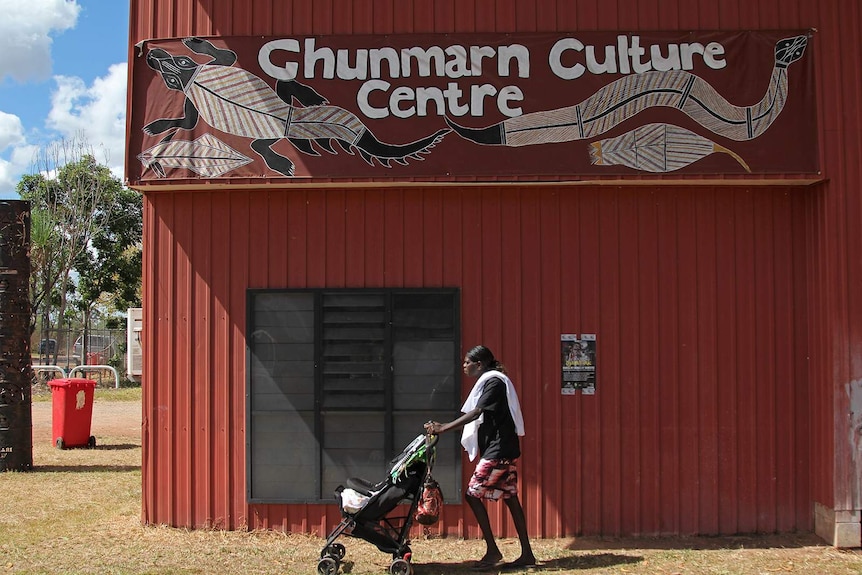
(207, 156)
(657, 148)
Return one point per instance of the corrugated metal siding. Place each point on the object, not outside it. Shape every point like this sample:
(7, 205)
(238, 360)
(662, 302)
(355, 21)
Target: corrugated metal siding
(695, 424)
(175, 18)
(704, 323)
(842, 246)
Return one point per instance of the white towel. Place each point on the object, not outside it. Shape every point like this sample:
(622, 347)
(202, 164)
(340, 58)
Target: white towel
(470, 435)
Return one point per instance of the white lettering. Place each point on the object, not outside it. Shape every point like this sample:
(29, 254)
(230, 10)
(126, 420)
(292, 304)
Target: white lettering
(425, 95)
(555, 59)
(510, 94)
(314, 55)
(402, 94)
(424, 59)
(476, 55)
(609, 66)
(264, 58)
(457, 66)
(406, 102)
(635, 53)
(569, 59)
(688, 51)
(363, 97)
(662, 64)
(453, 97)
(477, 98)
(712, 50)
(358, 72)
(520, 54)
(630, 56)
(378, 56)
(622, 50)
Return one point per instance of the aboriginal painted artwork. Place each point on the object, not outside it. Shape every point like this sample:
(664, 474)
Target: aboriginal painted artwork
(550, 105)
(655, 147)
(207, 156)
(237, 102)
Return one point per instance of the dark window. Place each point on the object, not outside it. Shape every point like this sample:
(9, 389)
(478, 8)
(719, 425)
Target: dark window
(340, 381)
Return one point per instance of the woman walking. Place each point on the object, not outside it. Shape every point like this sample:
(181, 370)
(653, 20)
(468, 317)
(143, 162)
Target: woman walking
(492, 422)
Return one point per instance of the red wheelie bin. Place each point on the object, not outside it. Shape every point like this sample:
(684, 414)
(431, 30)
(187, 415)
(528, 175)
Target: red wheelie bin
(72, 412)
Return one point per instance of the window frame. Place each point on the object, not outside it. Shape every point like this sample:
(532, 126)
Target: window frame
(388, 410)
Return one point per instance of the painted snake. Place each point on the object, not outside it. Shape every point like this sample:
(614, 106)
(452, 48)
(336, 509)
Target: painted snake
(626, 97)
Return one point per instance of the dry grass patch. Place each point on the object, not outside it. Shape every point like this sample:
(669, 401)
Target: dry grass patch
(42, 393)
(78, 512)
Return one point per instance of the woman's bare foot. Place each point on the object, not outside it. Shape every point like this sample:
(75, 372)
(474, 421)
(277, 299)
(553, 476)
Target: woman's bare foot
(489, 560)
(524, 561)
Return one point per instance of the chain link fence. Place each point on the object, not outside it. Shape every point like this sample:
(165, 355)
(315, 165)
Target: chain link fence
(66, 349)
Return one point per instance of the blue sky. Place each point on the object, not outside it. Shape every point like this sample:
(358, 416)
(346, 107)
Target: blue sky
(62, 76)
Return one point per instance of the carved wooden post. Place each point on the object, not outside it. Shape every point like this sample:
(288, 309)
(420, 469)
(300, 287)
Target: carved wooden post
(16, 370)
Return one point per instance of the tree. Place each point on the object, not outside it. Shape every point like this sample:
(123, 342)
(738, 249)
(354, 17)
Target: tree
(76, 205)
(111, 268)
(44, 266)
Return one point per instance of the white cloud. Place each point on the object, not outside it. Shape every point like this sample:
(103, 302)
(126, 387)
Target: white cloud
(25, 35)
(21, 160)
(97, 112)
(11, 130)
(20, 156)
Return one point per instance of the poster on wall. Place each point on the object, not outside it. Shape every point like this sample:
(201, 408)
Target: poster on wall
(578, 358)
(550, 105)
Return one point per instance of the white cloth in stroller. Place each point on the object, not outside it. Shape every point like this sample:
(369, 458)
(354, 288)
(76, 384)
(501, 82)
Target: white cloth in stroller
(352, 501)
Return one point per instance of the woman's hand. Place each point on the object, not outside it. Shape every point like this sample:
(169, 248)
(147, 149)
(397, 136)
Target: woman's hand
(433, 428)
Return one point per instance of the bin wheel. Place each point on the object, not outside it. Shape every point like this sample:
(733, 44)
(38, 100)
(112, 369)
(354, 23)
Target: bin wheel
(60, 443)
(91, 442)
(334, 550)
(327, 566)
(400, 567)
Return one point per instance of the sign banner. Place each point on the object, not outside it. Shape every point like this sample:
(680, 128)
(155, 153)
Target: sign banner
(561, 106)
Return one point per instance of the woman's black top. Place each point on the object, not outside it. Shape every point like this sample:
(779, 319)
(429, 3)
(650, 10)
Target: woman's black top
(497, 436)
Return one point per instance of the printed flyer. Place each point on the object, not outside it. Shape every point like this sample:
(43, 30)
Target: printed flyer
(578, 359)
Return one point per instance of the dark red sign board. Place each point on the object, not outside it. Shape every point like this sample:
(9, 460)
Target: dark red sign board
(563, 106)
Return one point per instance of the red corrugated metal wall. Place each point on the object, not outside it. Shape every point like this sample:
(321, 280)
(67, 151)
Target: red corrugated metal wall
(728, 335)
(700, 406)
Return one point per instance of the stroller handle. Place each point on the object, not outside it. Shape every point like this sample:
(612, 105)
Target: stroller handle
(430, 438)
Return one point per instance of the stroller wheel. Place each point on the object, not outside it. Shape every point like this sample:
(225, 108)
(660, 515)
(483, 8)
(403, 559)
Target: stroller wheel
(327, 566)
(400, 567)
(334, 550)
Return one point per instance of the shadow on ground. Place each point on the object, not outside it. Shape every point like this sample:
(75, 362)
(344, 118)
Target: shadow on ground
(788, 540)
(593, 561)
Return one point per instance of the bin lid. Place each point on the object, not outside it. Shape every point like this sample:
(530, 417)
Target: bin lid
(72, 382)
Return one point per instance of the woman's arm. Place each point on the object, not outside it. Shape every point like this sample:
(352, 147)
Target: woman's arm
(436, 428)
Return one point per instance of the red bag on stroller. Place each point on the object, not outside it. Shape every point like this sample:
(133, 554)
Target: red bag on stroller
(430, 503)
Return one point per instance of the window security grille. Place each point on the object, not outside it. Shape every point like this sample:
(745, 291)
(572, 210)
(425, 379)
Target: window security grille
(341, 380)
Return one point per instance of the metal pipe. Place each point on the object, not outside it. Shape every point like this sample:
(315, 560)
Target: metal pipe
(50, 368)
(95, 367)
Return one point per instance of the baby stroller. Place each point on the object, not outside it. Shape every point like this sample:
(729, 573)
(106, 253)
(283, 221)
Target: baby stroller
(365, 507)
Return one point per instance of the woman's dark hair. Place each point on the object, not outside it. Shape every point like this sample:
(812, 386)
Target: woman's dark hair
(484, 356)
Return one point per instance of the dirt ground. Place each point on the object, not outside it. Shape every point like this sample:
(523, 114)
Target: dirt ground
(110, 418)
(258, 552)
